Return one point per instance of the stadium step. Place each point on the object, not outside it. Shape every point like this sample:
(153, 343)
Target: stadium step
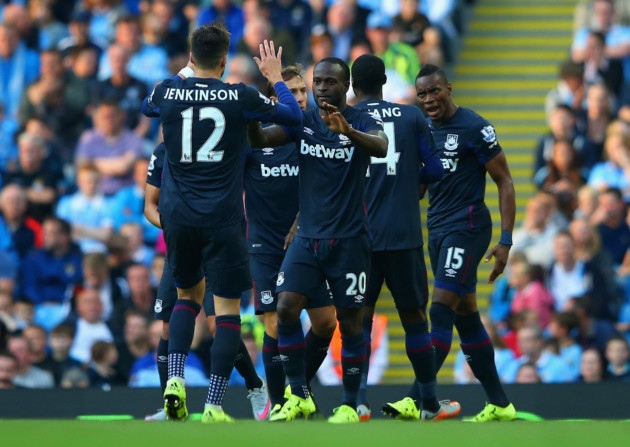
(507, 63)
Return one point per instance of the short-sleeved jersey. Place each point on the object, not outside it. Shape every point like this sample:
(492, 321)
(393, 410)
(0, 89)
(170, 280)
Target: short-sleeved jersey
(332, 176)
(466, 143)
(392, 190)
(271, 197)
(204, 125)
(156, 166)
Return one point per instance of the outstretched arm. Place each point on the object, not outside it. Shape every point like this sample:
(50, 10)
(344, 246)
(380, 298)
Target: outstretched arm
(271, 136)
(373, 142)
(500, 173)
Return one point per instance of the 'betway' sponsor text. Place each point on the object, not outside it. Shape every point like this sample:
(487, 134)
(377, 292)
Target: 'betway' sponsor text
(320, 151)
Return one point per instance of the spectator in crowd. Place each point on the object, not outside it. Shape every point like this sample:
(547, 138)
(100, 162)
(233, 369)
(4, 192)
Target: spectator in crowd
(60, 341)
(562, 175)
(138, 251)
(591, 366)
(89, 325)
(24, 232)
(144, 371)
(567, 277)
(74, 378)
(47, 31)
(134, 344)
(610, 218)
(397, 56)
(503, 293)
(296, 18)
(40, 178)
(586, 202)
(412, 27)
(113, 291)
(38, 345)
(148, 63)
(599, 69)
(88, 211)
(8, 324)
(141, 293)
(344, 26)
(104, 17)
(595, 120)
(21, 67)
(8, 370)
(618, 358)
(536, 233)
(79, 36)
(173, 24)
(128, 204)
(123, 88)
(50, 275)
(562, 126)
(551, 368)
(592, 332)
(23, 313)
(614, 172)
(570, 90)
(561, 328)
(617, 36)
(101, 372)
(58, 95)
(227, 13)
(530, 292)
(111, 147)
(28, 376)
(58, 151)
(527, 373)
(8, 148)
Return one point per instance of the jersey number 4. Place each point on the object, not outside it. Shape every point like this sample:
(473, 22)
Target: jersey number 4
(392, 156)
(205, 152)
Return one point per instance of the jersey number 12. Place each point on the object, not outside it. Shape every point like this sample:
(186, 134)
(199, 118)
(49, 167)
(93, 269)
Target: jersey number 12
(205, 152)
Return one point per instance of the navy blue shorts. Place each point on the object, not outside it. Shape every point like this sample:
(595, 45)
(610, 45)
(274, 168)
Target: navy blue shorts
(167, 296)
(404, 272)
(265, 268)
(455, 257)
(219, 253)
(344, 263)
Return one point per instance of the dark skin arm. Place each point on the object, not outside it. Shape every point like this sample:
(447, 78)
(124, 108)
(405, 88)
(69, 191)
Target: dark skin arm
(374, 142)
(151, 200)
(292, 232)
(271, 136)
(500, 173)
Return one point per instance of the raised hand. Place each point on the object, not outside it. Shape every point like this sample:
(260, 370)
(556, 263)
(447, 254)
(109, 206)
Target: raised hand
(333, 118)
(270, 63)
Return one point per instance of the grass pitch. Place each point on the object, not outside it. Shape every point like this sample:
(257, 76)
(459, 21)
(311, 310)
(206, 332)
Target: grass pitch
(377, 433)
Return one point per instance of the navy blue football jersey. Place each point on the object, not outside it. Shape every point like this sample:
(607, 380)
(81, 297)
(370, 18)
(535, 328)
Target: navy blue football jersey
(271, 197)
(466, 143)
(156, 166)
(392, 190)
(332, 176)
(204, 125)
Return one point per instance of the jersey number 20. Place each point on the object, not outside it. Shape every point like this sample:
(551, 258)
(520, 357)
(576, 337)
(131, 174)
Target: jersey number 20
(205, 152)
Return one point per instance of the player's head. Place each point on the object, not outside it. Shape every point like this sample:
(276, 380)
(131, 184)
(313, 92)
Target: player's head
(433, 93)
(331, 81)
(368, 75)
(209, 46)
(293, 78)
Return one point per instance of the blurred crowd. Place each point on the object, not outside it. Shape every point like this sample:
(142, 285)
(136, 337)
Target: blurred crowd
(561, 312)
(79, 263)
